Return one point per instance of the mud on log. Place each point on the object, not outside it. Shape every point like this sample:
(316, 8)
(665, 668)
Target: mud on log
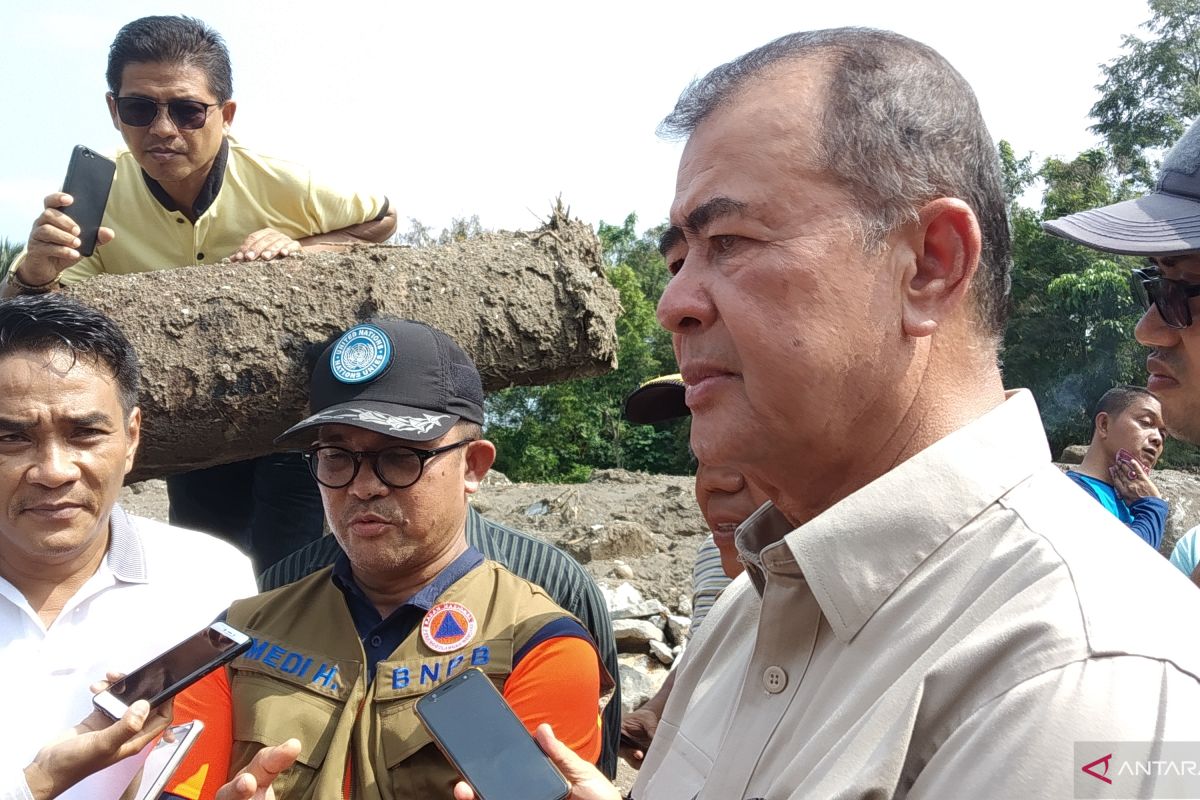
(226, 349)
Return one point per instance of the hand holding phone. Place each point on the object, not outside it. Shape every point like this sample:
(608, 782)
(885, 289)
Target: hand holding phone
(174, 670)
(482, 737)
(165, 757)
(53, 244)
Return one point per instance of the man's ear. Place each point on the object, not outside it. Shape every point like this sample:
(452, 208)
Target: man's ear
(480, 456)
(133, 437)
(946, 243)
(227, 112)
(1102, 424)
(112, 109)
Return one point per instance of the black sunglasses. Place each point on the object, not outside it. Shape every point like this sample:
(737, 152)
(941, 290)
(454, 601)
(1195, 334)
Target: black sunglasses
(398, 467)
(1170, 297)
(188, 115)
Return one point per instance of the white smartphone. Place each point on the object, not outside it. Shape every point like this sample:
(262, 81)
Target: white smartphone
(165, 758)
(174, 670)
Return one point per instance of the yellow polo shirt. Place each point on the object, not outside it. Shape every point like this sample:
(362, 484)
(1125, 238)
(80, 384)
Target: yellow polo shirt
(254, 192)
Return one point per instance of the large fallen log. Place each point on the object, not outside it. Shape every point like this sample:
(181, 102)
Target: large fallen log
(226, 349)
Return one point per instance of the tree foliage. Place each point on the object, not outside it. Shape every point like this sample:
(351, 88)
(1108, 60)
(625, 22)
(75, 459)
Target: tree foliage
(563, 431)
(1151, 93)
(1070, 337)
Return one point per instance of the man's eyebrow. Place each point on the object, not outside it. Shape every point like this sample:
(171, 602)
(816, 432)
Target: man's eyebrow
(91, 420)
(10, 425)
(699, 218)
(704, 214)
(671, 237)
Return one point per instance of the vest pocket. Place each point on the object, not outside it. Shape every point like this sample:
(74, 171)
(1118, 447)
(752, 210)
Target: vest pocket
(415, 765)
(269, 712)
(401, 732)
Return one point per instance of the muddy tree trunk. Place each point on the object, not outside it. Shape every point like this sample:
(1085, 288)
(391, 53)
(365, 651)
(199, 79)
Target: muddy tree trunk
(226, 349)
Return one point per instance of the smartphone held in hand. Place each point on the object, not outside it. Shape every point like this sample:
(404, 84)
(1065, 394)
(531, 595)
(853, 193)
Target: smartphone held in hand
(174, 670)
(89, 179)
(482, 737)
(168, 752)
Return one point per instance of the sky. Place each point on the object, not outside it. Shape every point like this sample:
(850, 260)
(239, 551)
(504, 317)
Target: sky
(495, 109)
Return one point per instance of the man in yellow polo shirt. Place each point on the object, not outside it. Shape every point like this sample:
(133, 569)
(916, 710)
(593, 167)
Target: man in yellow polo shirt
(186, 193)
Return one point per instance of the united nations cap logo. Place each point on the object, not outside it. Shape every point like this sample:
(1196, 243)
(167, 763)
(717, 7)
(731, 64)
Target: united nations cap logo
(361, 354)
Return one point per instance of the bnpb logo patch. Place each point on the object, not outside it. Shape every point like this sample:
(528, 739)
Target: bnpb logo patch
(448, 627)
(361, 354)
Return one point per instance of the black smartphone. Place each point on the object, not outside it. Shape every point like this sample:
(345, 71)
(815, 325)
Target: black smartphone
(486, 743)
(89, 179)
(174, 670)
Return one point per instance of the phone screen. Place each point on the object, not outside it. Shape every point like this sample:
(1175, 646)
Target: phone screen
(181, 665)
(486, 742)
(165, 757)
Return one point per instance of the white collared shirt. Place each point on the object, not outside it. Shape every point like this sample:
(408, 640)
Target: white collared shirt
(952, 629)
(156, 586)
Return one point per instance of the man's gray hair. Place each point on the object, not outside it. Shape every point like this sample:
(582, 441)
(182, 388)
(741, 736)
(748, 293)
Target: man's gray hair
(900, 127)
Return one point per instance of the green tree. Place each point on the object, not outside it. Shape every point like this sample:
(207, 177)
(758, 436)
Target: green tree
(1151, 92)
(563, 431)
(1070, 336)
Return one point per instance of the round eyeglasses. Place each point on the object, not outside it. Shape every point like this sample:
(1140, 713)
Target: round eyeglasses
(396, 467)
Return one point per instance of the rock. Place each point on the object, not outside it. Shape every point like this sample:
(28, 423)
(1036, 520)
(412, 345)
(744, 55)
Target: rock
(495, 478)
(621, 570)
(617, 599)
(643, 610)
(1181, 490)
(617, 539)
(539, 509)
(662, 652)
(636, 688)
(684, 605)
(678, 628)
(635, 634)
(641, 678)
(1073, 454)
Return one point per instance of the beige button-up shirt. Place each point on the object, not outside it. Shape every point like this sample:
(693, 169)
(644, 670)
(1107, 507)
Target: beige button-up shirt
(951, 630)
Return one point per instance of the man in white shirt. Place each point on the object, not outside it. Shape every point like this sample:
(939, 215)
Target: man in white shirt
(929, 608)
(85, 589)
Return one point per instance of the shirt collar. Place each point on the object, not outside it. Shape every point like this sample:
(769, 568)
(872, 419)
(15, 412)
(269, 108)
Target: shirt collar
(857, 553)
(343, 578)
(208, 192)
(126, 558)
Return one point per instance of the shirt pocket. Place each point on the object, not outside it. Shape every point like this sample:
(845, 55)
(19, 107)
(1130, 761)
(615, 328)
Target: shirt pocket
(268, 711)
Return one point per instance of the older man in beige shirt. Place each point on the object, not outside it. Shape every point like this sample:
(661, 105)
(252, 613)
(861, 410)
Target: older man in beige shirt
(930, 609)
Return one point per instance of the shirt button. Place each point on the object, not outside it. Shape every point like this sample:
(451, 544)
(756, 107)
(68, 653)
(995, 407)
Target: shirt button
(199, 256)
(376, 641)
(774, 679)
(179, 220)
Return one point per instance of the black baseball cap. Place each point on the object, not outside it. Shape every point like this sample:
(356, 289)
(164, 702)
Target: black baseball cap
(657, 400)
(394, 376)
(1165, 222)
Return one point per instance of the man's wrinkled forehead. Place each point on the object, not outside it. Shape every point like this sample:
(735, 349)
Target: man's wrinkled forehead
(776, 114)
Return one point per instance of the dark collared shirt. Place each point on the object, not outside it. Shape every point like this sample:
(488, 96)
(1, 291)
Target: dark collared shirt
(380, 637)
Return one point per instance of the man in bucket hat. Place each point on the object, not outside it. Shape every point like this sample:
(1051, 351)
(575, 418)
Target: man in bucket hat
(1163, 226)
(395, 442)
